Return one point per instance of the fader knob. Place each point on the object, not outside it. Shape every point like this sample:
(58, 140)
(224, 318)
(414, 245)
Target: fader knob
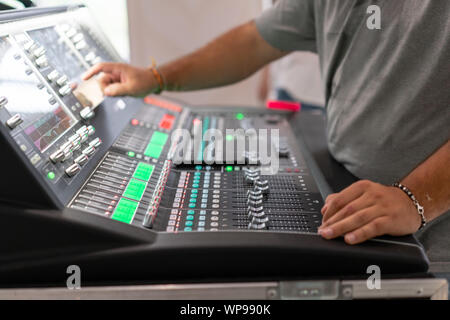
(264, 190)
(251, 180)
(254, 204)
(262, 183)
(253, 226)
(259, 221)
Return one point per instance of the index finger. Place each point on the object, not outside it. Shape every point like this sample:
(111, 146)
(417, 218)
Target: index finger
(100, 67)
(342, 199)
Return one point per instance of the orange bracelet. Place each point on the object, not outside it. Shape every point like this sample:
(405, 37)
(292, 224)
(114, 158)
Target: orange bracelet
(158, 77)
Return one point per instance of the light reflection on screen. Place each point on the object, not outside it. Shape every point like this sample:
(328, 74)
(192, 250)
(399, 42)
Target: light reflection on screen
(44, 121)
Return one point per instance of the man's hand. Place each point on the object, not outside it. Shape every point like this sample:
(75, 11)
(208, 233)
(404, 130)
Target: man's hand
(367, 210)
(118, 79)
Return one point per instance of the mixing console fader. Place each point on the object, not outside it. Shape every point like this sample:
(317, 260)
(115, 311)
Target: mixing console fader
(130, 189)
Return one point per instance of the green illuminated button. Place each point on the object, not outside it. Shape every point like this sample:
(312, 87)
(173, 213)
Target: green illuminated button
(143, 171)
(125, 211)
(193, 201)
(192, 205)
(189, 224)
(198, 168)
(194, 196)
(195, 185)
(230, 137)
(229, 169)
(154, 151)
(188, 229)
(135, 190)
(131, 154)
(191, 212)
(194, 191)
(190, 218)
(159, 138)
(156, 144)
(240, 116)
(51, 176)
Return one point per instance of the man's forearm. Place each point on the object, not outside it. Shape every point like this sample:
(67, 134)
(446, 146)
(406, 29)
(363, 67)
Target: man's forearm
(430, 183)
(230, 58)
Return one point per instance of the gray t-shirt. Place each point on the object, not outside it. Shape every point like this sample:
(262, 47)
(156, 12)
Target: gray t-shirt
(387, 91)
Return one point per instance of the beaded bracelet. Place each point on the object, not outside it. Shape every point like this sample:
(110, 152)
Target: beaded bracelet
(413, 198)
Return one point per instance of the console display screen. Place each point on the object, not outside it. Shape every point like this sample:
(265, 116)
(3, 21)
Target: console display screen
(44, 119)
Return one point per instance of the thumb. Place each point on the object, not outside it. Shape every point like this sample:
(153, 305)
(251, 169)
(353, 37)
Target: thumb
(116, 89)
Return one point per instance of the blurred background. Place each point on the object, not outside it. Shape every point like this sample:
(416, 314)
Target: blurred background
(165, 30)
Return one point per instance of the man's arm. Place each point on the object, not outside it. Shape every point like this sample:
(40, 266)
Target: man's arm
(230, 58)
(366, 210)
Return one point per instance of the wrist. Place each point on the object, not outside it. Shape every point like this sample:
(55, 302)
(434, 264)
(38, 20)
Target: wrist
(418, 208)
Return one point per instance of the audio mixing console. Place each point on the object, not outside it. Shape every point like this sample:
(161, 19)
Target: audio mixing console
(103, 188)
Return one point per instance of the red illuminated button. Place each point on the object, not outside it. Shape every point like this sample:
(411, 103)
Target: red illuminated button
(167, 122)
(135, 122)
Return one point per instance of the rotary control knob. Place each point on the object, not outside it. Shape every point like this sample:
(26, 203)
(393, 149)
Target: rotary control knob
(73, 170)
(14, 122)
(87, 114)
(58, 156)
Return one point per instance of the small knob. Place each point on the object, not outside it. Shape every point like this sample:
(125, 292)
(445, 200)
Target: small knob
(66, 90)
(89, 151)
(81, 160)
(14, 122)
(73, 170)
(58, 156)
(87, 114)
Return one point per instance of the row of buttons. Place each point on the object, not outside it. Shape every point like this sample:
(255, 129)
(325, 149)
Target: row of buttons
(175, 219)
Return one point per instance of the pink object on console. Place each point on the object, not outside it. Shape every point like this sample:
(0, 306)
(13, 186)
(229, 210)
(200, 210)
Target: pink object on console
(284, 105)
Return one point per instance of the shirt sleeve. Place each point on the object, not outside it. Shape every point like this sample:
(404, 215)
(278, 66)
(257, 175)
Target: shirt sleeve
(289, 25)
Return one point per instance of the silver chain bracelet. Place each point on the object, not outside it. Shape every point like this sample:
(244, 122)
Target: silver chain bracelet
(413, 198)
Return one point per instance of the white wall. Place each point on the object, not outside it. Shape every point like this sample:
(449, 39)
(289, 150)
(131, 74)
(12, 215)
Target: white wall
(167, 29)
(112, 17)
